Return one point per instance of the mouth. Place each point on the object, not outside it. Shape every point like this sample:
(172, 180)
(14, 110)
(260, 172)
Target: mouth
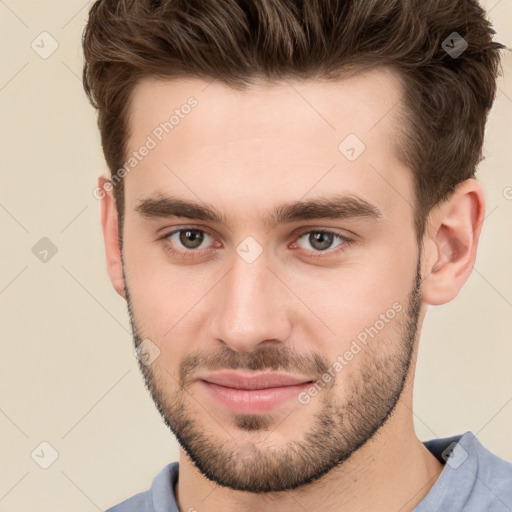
(253, 394)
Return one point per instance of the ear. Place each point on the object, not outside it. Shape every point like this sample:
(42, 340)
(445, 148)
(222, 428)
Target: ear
(450, 243)
(109, 223)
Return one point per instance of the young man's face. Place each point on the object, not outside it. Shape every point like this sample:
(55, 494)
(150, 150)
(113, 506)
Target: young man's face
(244, 295)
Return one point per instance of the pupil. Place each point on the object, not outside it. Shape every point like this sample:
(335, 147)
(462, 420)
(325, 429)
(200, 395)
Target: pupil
(325, 240)
(191, 238)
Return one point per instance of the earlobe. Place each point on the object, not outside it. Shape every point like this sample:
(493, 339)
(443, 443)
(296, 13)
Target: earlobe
(452, 236)
(109, 223)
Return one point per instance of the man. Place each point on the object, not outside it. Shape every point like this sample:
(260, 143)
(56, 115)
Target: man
(292, 183)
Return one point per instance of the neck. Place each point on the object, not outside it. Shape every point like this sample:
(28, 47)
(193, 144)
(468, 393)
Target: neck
(392, 471)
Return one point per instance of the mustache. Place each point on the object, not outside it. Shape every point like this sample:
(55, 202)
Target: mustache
(273, 358)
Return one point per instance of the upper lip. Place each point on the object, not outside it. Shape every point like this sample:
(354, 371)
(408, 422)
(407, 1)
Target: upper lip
(254, 381)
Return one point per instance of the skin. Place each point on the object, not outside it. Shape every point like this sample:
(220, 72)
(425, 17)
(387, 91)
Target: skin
(353, 446)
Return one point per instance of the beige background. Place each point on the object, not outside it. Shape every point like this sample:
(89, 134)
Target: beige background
(69, 376)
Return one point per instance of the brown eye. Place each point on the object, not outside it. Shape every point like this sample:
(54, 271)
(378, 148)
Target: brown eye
(191, 238)
(186, 240)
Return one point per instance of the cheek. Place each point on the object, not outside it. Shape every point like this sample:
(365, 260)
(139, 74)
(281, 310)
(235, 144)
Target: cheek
(155, 285)
(167, 301)
(364, 300)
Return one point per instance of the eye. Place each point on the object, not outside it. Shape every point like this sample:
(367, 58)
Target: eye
(322, 240)
(189, 238)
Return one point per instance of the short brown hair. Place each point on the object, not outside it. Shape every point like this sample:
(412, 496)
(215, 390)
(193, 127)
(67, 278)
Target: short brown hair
(447, 97)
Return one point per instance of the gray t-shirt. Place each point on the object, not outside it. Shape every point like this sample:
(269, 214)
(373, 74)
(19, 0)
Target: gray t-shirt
(473, 480)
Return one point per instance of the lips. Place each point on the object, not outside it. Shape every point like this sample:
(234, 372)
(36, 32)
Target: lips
(252, 393)
(267, 380)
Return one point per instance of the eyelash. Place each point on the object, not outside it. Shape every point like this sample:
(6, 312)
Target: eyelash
(346, 242)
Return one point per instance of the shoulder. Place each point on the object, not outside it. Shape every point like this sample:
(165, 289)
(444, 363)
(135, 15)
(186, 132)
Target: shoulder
(139, 502)
(159, 497)
(473, 479)
(493, 471)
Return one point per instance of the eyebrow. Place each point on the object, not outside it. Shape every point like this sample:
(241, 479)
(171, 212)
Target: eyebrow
(336, 207)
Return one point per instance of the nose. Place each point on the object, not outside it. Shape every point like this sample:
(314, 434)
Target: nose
(253, 307)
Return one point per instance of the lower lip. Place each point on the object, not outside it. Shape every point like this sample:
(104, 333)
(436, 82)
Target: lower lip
(256, 400)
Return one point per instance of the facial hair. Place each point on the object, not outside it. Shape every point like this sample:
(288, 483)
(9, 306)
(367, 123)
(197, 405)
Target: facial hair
(337, 430)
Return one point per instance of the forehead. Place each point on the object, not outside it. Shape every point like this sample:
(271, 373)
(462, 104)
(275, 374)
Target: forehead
(275, 142)
(356, 104)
